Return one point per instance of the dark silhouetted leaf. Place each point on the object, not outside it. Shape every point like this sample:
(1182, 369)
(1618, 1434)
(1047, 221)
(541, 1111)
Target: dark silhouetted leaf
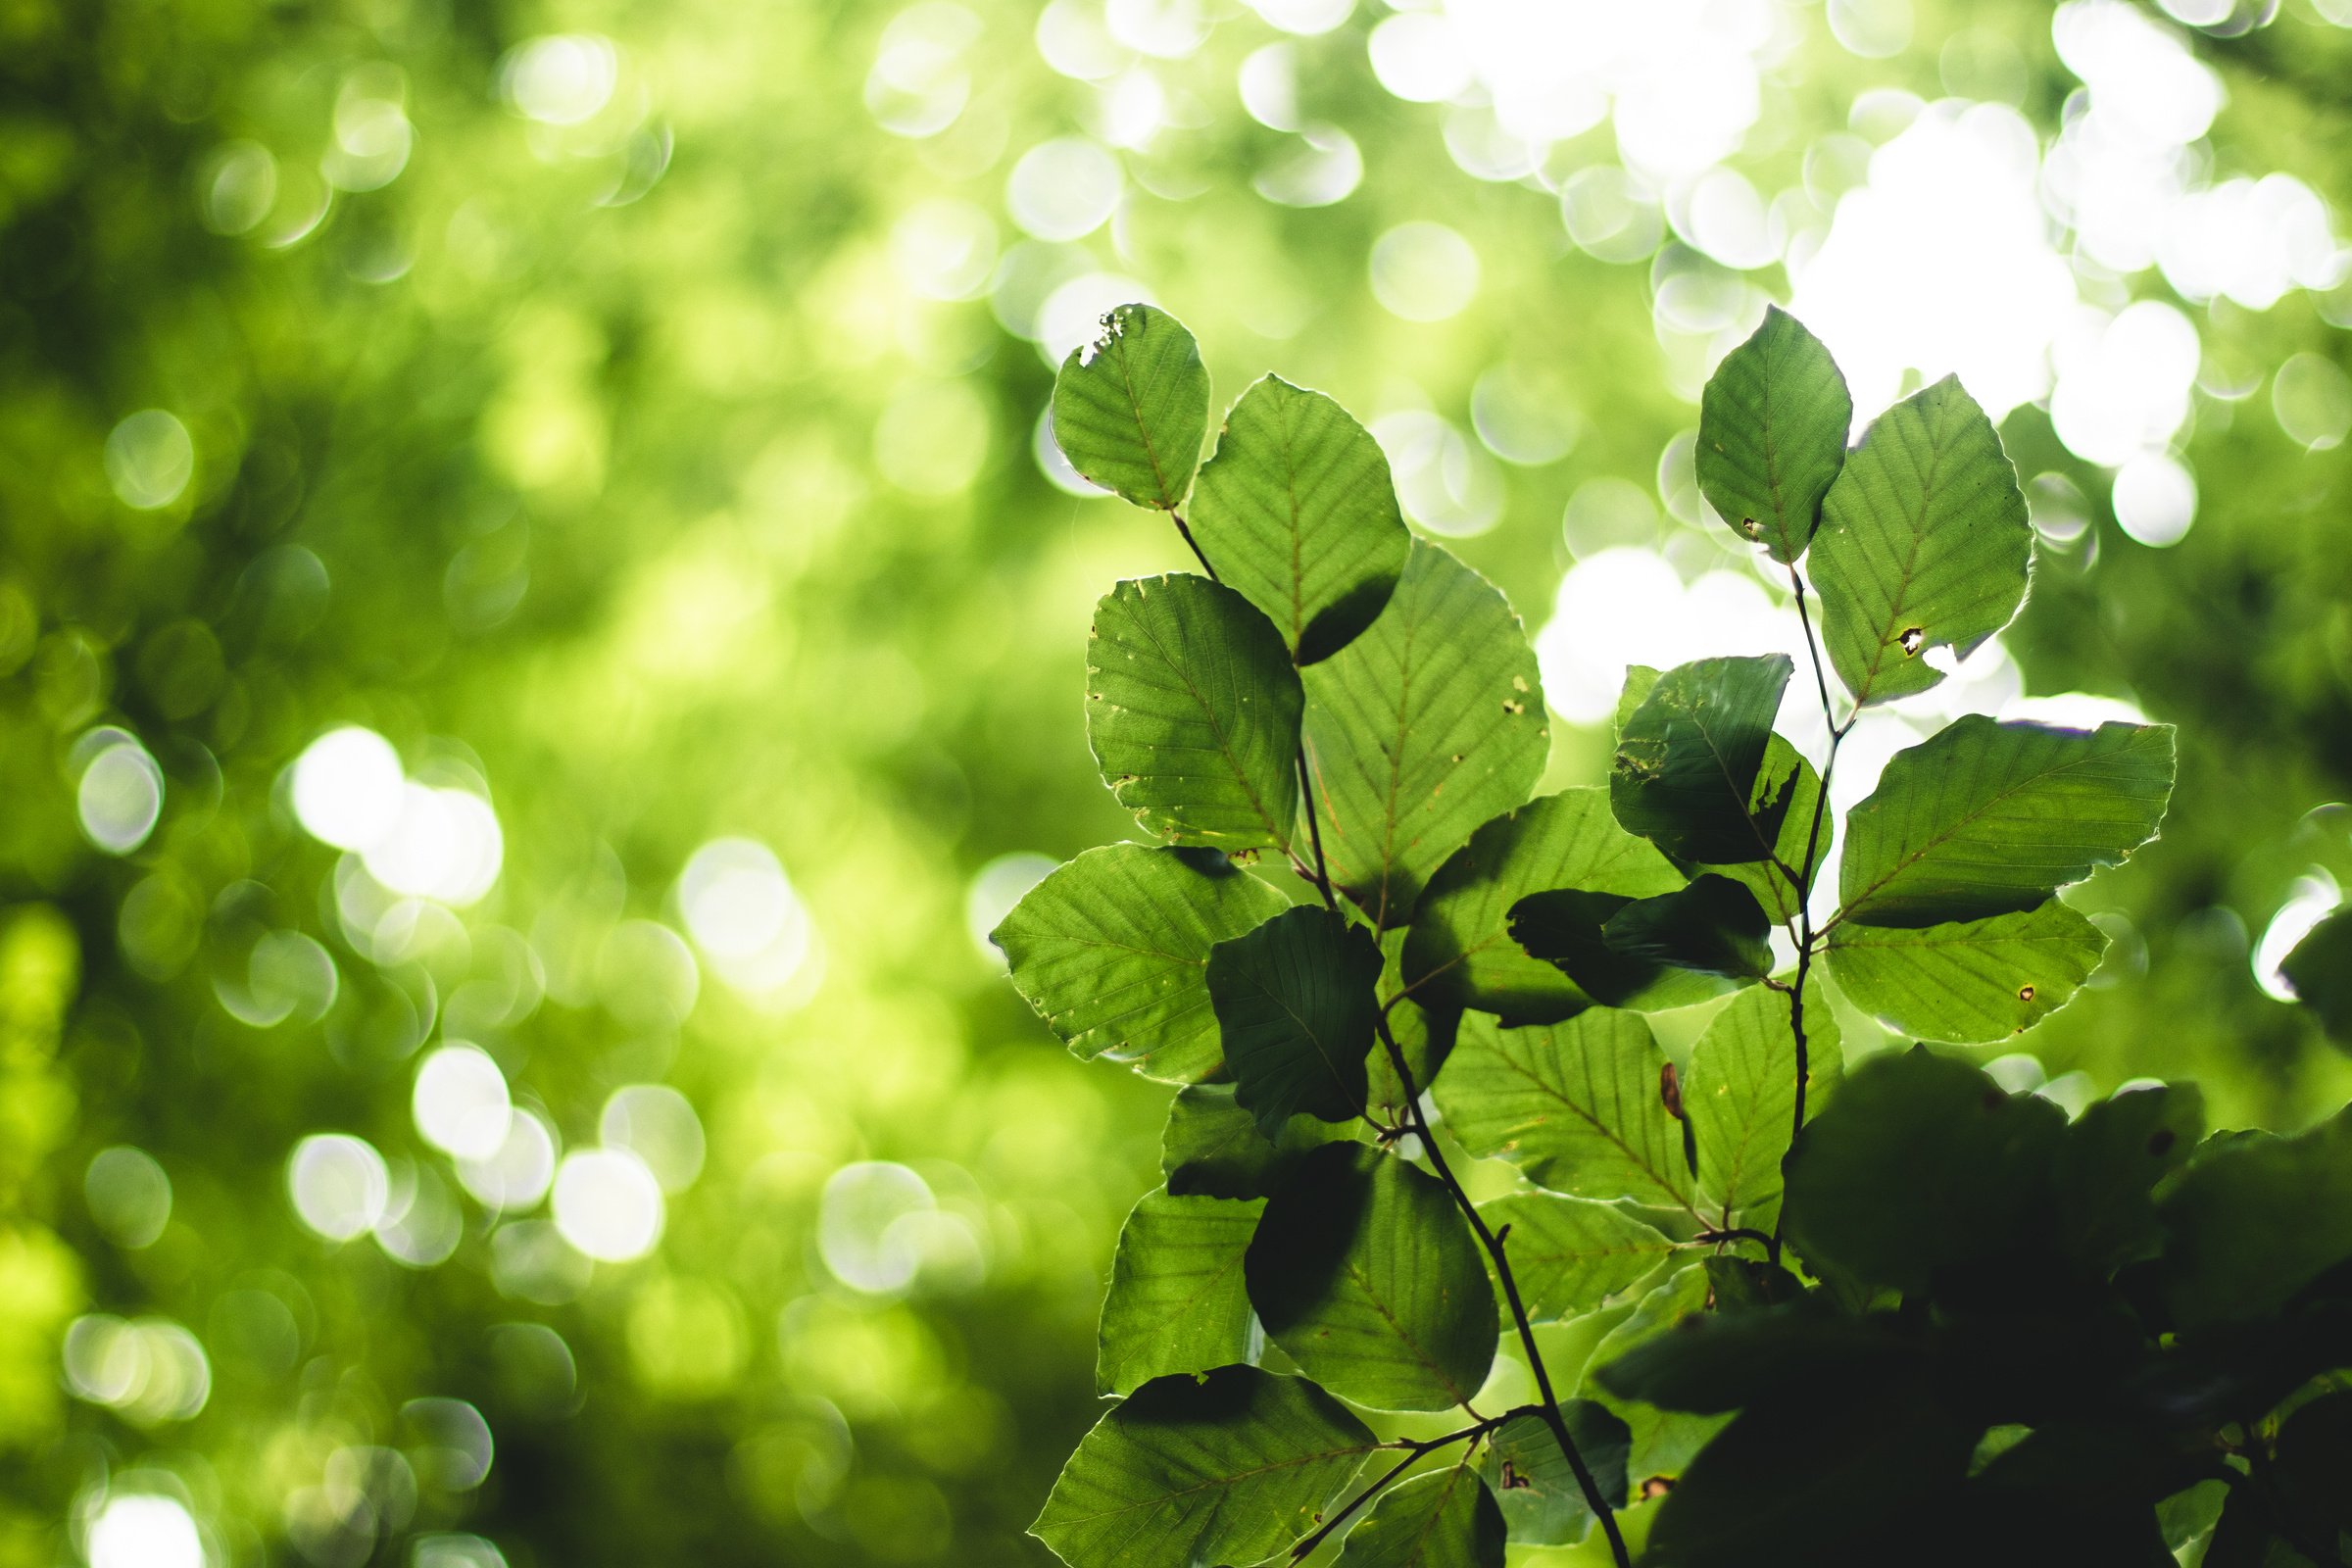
(1295, 1001)
(1713, 926)
(1921, 1163)
(1568, 929)
(1364, 1271)
(2319, 969)
(1460, 950)
(2228, 1258)
(1689, 756)
(1213, 1147)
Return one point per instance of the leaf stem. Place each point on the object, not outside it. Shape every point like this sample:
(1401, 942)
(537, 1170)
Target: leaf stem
(1193, 544)
(1550, 1407)
(1807, 939)
(1415, 1450)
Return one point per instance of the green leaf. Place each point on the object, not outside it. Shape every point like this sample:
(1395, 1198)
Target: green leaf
(1824, 1479)
(1968, 981)
(2254, 1219)
(1661, 1442)
(1570, 1254)
(1295, 1001)
(1297, 512)
(1193, 710)
(1575, 1105)
(1366, 1273)
(1923, 543)
(2319, 970)
(1568, 929)
(2113, 1157)
(1788, 792)
(1716, 1362)
(1460, 950)
(1772, 427)
(1423, 1034)
(1112, 951)
(1990, 819)
(1131, 406)
(1689, 756)
(1177, 1302)
(1921, 1163)
(1420, 731)
(1211, 1147)
(1740, 1097)
(1228, 1468)
(1530, 1478)
(1713, 926)
(1445, 1520)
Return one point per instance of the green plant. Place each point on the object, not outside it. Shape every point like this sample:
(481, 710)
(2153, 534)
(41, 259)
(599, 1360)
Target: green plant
(2013, 1336)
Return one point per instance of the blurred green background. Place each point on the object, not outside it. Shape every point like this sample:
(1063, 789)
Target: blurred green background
(538, 631)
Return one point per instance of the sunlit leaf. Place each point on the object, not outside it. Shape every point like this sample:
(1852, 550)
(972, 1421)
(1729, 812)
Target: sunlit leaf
(1921, 1163)
(1661, 1442)
(1460, 949)
(1131, 406)
(1772, 426)
(1740, 1097)
(1296, 511)
(1576, 1105)
(1193, 710)
(1530, 1478)
(2227, 1257)
(1228, 1468)
(1295, 1001)
(1112, 951)
(1923, 543)
(1177, 1302)
(1365, 1272)
(1570, 1254)
(1688, 759)
(1968, 981)
(1420, 731)
(1989, 818)
(1445, 1520)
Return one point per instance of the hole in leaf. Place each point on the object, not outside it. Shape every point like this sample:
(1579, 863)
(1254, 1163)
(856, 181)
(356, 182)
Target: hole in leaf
(2025, 992)
(1751, 527)
(1911, 638)
(1514, 707)
(1656, 1487)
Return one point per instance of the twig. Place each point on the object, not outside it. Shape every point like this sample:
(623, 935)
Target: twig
(1414, 1452)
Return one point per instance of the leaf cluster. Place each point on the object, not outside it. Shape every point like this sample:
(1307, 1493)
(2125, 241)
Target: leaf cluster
(1905, 1317)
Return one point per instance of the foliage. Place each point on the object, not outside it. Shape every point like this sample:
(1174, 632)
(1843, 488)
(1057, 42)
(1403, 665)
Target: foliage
(1900, 1314)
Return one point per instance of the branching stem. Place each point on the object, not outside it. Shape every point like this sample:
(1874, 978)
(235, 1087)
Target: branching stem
(1415, 1450)
(1418, 1123)
(1550, 1407)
